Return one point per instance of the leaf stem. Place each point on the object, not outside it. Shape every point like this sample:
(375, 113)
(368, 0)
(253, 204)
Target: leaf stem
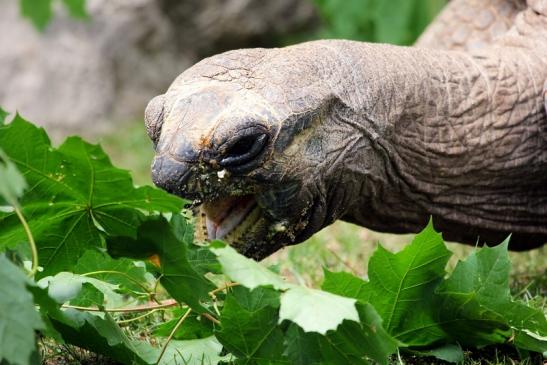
(211, 318)
(175, 329)
(142, 308)
(33, 249)
(125, 321)
(156, 284)
(399, 358)
(128, 277)
(344, 262)
(224, 287)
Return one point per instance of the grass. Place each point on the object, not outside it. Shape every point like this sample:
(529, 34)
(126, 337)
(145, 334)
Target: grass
(343, 247)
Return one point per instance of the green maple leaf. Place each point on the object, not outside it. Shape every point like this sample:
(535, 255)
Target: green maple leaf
(3, 115)
(18, 317)
(451, 353)
(484, 276)
(200, 258)
(467, 322)
(472, 307)
(13, 183)
(402, 285)
(38, 12)
(75, 196)
(76, 8)
(345, 284)
(247, 272)
(194, 326)
(129, 275)
(183, 279)
(350, 343)
(249, 325)
(202, 351)
(402, 288)
(315, 310)
(304, 348)
(97, 332)
(89, 296)
(323, 323)
(327, 312)
(66, 286)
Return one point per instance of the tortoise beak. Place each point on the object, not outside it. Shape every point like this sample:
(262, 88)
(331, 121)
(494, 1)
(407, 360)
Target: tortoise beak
(173, 176)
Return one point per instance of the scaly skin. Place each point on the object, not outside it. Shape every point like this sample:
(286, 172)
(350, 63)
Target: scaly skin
(468, 25)
(378, 135)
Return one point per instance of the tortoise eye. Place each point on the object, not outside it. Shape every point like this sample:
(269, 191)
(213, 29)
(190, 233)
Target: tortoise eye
(153, 118)
(244, 150)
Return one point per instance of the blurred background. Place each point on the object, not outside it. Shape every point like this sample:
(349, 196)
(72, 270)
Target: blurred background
(86, 66)
(90, 67)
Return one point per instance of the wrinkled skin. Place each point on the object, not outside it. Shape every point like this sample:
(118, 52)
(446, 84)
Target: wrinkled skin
(378, 135)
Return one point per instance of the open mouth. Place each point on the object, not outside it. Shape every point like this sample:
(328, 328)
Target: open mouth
(227, 219)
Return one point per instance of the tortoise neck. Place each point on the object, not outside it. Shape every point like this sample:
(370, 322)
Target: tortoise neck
(455, 135)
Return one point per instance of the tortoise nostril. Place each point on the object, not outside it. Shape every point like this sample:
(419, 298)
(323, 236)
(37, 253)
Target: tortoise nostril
(243, 150)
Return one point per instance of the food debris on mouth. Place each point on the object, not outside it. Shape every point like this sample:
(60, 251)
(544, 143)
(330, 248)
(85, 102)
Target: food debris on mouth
(280, 227)
(223, 215)
(221, 174)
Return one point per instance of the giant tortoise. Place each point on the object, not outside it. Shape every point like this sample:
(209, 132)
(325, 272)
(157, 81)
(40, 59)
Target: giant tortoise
(271, 145)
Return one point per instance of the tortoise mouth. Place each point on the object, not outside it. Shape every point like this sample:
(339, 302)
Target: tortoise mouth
(229, 218)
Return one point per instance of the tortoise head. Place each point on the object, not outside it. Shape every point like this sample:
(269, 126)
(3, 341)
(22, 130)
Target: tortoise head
(249, 137)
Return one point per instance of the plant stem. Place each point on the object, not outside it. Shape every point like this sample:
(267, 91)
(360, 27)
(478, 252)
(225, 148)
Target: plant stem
(175, 329)
(156, 284)
(143, 308)
(125, 321)
(224, 287)
(33, 249)
(119, 273)
(344, 262)
(211, 318)
(399, 358)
